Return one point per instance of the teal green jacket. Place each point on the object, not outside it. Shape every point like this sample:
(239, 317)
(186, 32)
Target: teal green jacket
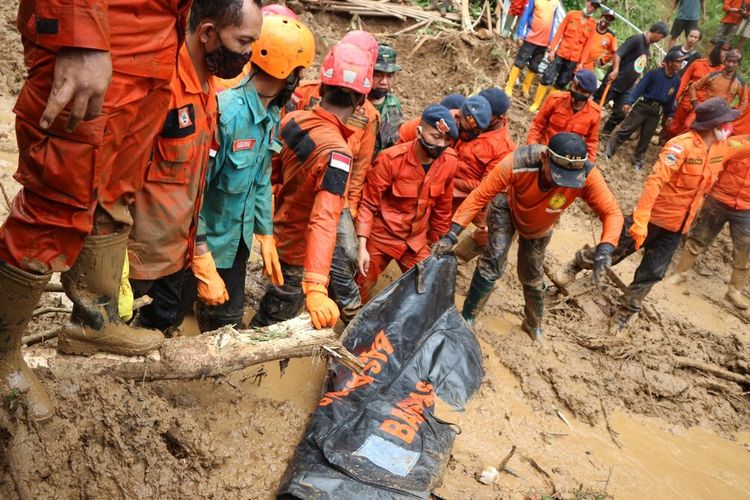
(237, 199)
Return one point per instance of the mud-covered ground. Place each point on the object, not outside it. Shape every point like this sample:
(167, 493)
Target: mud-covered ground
(639, 426)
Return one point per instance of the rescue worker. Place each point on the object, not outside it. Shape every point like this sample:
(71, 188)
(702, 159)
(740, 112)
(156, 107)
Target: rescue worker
(570, 111)
(238, 199)
(86, 118)
(734, 12)
(528, 192)
(566, 50)
(365, 121)
(472, 118)
(406, 204)
(685, 171)
(627, 66)
(650, 101)
(312, 172)
(693, 73)
(475, 160)
(725, 84)
(689, 49)
(383, 98)
(601, 45)
(535, 32)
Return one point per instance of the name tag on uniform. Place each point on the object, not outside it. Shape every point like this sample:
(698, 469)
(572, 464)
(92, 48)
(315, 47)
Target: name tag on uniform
(243, 144)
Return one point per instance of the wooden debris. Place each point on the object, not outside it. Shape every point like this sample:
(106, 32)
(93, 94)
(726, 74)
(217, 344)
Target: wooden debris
(507, 458)
(543, 472)
(682, 362)
(212, 354)
(375, 8)
(612, 433)
(562, 417)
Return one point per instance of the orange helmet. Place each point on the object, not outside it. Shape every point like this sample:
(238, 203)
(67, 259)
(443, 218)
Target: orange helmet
(363, 40)
(348, 65)
(284, 45)
(276, 9)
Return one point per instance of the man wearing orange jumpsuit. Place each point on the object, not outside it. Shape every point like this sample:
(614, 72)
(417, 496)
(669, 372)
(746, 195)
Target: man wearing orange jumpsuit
(672, 195)
(697, 70)
(84, 144)
(601, 45)
(365, 124)
(407, 199)
(570, 111)
(566, 49)
(312, 173)
(475, 160)
(165, 211)
(725, 84)
(528, 192)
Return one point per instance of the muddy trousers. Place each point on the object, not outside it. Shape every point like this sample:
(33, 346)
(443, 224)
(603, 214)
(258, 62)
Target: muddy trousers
(529, 56)
(708, 224)
(658, 249)
(231, 311)
(281, 303)
(172, 299)
(644, 117)
(559, 73)
(342, 287)
(492, 263)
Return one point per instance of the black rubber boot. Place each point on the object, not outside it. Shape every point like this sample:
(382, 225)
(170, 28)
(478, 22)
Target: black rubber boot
(479, 292)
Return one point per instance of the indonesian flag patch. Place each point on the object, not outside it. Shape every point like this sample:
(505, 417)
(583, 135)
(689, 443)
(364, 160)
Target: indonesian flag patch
(340, 161)
(337, 173)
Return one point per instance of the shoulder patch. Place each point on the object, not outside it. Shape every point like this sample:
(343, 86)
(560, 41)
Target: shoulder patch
(298, 140)
(337, 173)
(358, 119)
(676, 148)
(180, 122)
(670, 159)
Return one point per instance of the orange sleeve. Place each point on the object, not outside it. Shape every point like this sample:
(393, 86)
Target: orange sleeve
(65, 23)
(378, 180)
(597, 195)
(695, 87)
(743, 99)
(440, 218)
(553, 46)
(362, 163)
(586, 53)
(496, 182)
(670, 160)
(685, 80)
(321, 236)
(408, 130)
(592, 137)
(607, 56)
(540, 121)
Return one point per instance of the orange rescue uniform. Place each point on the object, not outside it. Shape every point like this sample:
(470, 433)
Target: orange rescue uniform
(65, 176)
(732, 188)
(715, 84)
(365, 122)
(165, 212)
(535, 211)
(684, 107)
(407, 132)
(557, 115)
(312, 171)
(572, 34)
(404, 209)
(599, 47)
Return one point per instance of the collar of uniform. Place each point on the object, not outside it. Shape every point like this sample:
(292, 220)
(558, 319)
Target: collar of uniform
(259, 112)
(697, 139)
(187, 73)
(413, 161)
(346, 132)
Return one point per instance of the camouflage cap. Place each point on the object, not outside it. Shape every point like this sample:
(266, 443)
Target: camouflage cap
(386, 59)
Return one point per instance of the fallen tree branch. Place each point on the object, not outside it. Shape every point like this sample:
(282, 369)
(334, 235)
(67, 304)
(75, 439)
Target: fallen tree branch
(682, 362)
(212, 354)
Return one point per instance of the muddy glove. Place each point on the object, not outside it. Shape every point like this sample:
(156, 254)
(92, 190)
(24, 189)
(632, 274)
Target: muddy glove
(602, 261)
(639, 229)
(125, 302)
(323, 311)
(449, 239)
(211, 288)
(270, 258)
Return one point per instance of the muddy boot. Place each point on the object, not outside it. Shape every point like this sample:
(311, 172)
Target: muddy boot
(568, 273)
(620, 320)
(526, 87)
(467, 249)
(19, 294)
(687, 259)
(515, 71)
(533, 313)
(736, 284)
(479, 291)
(535, 332)
(93, 284)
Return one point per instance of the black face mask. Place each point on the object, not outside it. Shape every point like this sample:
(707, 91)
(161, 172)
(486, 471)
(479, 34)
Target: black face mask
(468, 135)
(224, 63)
(377, 93)
(433, 150)
(291, 84)
(578, 97)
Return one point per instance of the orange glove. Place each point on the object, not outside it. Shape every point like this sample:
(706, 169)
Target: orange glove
(270, 258)
(323, 311)
(211, 288)
(639, 229)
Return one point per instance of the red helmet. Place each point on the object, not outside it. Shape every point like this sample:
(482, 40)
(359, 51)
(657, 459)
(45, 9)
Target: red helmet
(347, 65)
(275, 9)
(363, 40)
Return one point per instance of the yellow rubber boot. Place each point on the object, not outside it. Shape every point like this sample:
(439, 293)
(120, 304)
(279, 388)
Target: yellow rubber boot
(541, 91)
(526, 88)
(514, 72)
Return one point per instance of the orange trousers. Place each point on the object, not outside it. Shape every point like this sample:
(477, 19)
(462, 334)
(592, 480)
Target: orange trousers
(69, 178)
(379, 260)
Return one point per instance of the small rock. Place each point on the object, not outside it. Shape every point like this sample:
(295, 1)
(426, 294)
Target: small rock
(489, 475)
